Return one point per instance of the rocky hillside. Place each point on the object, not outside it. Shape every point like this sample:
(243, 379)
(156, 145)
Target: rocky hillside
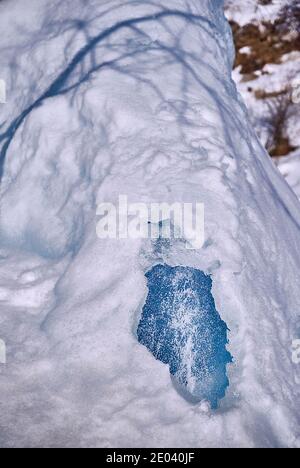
(267, 72)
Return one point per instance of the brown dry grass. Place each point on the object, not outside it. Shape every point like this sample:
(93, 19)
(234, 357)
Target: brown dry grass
(267, 43)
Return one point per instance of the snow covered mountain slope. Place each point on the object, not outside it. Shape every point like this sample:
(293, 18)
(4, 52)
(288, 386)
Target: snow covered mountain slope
(135, 98)
(267, 68)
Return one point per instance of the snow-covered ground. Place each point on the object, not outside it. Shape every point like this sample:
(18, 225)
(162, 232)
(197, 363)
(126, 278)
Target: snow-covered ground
(248, 11)
(136, 98)
(271, 79)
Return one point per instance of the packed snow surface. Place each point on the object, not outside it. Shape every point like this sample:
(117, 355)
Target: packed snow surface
(135, 98)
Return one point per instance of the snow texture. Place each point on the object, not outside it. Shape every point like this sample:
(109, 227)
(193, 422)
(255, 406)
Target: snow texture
(249, 11)
(135, 98)
(290, 169)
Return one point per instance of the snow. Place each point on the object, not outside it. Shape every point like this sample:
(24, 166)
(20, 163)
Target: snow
(250, 11)
(274, 78)
(290, 169)
(135, 98)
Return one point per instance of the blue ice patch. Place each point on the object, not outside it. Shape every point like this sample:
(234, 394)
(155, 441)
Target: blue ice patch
(182, 328)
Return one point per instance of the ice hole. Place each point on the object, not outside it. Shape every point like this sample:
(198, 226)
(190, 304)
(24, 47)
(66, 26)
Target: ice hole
(182, 328)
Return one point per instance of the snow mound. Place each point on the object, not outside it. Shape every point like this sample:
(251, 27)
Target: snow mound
(135, 98)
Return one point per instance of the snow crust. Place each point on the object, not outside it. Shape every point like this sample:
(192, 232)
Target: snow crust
(110, 97)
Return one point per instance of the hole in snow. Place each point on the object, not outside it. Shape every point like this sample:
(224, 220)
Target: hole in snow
(182, 328)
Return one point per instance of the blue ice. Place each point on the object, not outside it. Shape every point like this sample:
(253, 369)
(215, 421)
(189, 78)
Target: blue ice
(182, 328)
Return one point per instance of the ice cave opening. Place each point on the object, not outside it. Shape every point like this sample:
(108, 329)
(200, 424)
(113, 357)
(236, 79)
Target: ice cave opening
(182, 328)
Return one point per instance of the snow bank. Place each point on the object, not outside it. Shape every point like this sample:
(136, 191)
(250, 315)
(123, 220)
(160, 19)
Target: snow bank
(135, 98)
(290, 169)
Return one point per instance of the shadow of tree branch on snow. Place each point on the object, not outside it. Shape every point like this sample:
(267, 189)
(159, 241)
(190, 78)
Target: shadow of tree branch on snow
(85, 63)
